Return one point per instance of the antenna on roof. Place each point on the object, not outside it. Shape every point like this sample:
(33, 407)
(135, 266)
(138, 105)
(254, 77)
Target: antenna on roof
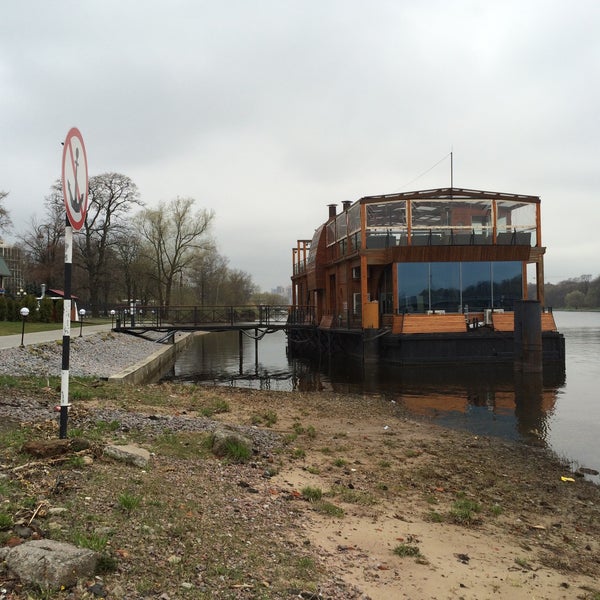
(451, 168)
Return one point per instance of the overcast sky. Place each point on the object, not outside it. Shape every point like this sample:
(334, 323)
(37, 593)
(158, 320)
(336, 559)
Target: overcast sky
(267, 111)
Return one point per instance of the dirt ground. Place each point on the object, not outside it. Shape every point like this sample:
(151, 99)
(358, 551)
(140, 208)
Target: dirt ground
(387, 505)
(532, 535)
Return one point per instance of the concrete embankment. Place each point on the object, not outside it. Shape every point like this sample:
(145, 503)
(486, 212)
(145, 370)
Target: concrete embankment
(156, 365)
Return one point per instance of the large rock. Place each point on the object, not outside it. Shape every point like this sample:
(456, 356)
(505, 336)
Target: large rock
(129, 453)
(50, 564)
(46, 448)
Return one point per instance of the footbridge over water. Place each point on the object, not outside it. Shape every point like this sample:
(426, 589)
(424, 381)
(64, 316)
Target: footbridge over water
(254, 320)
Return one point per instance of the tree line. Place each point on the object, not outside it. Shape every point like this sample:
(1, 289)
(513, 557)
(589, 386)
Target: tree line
(164, 255)
(581, 292)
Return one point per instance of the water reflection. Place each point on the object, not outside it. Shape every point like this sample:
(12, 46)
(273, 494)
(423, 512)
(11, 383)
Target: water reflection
(482, 399)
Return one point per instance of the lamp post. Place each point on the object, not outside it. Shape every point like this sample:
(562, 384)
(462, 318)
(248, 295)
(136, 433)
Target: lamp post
(81, 315)
(112, 318)
(24, 312)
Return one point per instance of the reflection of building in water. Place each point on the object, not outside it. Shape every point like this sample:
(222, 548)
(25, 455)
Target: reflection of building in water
(494, 401)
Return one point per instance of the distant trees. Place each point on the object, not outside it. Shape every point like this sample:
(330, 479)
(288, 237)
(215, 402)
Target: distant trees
(111, 197)
(5, 221)
(43, 242)
(578, 292)
(156, 256)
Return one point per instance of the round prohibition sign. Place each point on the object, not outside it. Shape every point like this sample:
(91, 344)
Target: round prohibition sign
(75, 178)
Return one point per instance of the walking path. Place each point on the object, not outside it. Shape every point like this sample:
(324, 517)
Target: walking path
(40, 337)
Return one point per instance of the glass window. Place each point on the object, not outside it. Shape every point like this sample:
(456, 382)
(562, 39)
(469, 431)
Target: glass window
(449, 286)
(445, 286)
(476, 285)
(387, 215)
(341, 226)
(330, 233)
(413, 287)
(507, 278)
(314, 245)
(354, 219)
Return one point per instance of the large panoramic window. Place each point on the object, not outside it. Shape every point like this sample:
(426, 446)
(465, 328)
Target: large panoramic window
(507, 280)
(445, 286)
(455, 287)
(413, 287)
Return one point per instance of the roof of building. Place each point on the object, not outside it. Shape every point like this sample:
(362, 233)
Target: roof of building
(4, 270)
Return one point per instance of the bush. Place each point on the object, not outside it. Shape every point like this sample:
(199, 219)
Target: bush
(45, 312)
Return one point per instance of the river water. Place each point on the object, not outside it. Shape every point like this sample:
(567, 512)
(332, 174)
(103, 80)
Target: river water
(559, 409)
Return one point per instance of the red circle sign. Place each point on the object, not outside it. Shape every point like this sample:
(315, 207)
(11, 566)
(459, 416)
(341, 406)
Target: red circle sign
(75, 178)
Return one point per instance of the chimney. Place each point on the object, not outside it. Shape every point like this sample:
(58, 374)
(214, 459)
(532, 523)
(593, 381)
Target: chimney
(346, 204)
(332, 211)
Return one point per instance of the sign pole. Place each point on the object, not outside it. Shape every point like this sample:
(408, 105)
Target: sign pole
(66, 340)
(75, 193)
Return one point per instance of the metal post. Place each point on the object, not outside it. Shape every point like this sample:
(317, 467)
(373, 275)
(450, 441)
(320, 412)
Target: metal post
(81, 315)
(24, 312)
(66, 346)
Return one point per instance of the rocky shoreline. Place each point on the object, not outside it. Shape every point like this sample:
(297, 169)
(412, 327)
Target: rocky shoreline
(98, 355)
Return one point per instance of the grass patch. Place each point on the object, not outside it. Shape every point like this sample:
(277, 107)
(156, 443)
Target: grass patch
(6, 520)
(340, 462)
(407, 550)
(298, 453)
(351, 496)
(268, 418)
(91, 541)
(128, 502)
(232, 449)
(327, 508)
(464, 511)
(434, 517)
(185, 444)
(312, 494)
(215, 406)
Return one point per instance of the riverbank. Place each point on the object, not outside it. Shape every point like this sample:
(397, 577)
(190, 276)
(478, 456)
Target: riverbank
(345, 497)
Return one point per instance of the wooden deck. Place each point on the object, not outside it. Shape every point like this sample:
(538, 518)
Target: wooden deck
(455, 323)
(506, 322)
(417, 323)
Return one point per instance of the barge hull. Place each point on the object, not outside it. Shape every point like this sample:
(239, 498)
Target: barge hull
(381, 346)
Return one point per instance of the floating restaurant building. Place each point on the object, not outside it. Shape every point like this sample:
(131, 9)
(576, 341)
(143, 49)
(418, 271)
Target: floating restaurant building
(431, 276)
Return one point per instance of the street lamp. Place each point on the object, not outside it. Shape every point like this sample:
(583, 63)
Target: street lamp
(24, 312)
(81, 315)
(112, 318)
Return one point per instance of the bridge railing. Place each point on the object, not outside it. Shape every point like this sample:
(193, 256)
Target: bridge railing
(261, 315)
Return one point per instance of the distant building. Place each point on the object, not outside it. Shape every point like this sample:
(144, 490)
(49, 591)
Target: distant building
(4, 274)
(12, 257)
(286, 292)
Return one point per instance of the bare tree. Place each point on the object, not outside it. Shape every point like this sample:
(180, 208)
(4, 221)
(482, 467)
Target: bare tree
(43, 241)
(5, 221)
(111, 197)
(209, 270)
(174, 233)
(131, 266)
(238, 287)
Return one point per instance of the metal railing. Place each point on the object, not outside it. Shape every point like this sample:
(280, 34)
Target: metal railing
(258, 315)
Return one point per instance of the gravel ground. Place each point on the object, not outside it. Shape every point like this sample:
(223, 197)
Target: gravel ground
(97, 355)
